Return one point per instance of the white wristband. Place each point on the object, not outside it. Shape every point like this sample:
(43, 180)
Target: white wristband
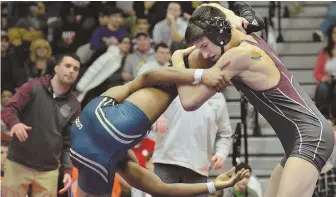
(198, 76)
(211, 187)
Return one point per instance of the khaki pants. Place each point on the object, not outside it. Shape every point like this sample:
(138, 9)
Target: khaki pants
(18, 178)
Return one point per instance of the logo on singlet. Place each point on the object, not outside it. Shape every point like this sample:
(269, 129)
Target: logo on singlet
(78, 123)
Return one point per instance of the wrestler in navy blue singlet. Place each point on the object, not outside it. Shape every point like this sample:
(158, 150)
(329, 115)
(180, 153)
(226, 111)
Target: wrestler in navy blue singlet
(101, 137)
(301, 128)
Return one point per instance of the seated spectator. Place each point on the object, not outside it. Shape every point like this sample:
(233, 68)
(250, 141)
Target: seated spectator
(100, 75)
(329, 21)
(104, 16)
(241, 188)
(109, 34)
(39, 13)
(6, 96)
(40, 61)
(162, 57)
(64, 34)
(12, 75)
(84, 15)
(142, 54)
(4, 16)
(325, 71)
(171, 29)
(142, 25)
(85, 52)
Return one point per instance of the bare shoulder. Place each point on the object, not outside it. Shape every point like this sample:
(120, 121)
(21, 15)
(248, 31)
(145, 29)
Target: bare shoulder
(239, 56)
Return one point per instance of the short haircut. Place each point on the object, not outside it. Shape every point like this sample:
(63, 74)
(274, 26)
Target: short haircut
(145, 34)
(160, 44)
(241, 166)
(114, 10)
(142, 16)
(194, 32)
(105, 11)
(72, 55)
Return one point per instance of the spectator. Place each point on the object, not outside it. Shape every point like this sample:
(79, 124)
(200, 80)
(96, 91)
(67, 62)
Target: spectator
(171, 29)
(12, 75)
(84, 16)
(6, 96)
(142, 54)
(40, 61)
(64, 35)
(241, 188)
(329, 21)
(104, 16)
(4, 16)
(142, 25)
(105, 72)
(40, 116)
(109, 34)
(39, 13)
(162, 57)
(325, 70)
(85, 52)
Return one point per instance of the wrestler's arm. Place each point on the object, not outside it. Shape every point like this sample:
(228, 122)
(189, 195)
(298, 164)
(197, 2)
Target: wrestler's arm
(192, 97)
(150, 183)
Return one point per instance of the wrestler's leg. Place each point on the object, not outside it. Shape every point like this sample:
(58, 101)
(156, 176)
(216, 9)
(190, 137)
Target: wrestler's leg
(298, 179)
(273, 184)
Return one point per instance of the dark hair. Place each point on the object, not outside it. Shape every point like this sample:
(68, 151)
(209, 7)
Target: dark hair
(241, 166)
(197, 27)
(160, 44)
(141, 16)
(114, 10)
(105, 11)
(141, 34)
(331, 44)
(72, 55)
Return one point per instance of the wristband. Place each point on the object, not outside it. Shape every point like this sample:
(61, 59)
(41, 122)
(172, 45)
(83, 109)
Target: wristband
(211, 187)
(198, 76)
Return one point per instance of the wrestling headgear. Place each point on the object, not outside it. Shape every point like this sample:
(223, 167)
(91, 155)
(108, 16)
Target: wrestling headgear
(217, 29)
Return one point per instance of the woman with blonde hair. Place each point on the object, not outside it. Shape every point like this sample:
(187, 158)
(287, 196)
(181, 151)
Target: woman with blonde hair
(40, 59)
